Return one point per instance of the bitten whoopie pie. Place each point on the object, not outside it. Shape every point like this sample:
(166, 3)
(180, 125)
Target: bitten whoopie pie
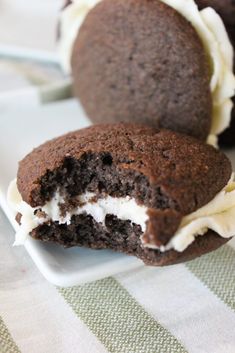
(226, 9)
(162, 63)
(155, 194)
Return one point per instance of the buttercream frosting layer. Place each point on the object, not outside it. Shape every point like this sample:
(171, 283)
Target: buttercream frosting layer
(218, 215)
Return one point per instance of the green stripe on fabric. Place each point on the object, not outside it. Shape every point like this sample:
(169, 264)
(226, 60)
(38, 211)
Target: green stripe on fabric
(7, 344)
(117, 319)
(217, 272)
(55, 92)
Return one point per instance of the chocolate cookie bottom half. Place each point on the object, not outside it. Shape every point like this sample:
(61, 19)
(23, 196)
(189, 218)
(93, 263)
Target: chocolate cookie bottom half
(158, 195)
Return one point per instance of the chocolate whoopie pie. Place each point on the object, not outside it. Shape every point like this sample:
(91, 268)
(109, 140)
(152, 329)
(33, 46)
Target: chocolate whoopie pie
(155, 194)
(149, 61)
(226, 9)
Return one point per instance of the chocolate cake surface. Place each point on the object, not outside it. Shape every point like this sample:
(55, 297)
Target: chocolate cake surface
(182, 170)
(170, 174)
(141, 61)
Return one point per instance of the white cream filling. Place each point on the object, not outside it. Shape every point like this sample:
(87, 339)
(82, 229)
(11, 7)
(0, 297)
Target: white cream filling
(124, 208)
(210, 29)
(217, 215)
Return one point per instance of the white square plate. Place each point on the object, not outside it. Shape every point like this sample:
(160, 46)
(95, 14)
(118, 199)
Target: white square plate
(21, 131)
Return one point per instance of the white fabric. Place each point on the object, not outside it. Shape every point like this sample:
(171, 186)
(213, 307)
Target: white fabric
(36, 315)
(184, 306)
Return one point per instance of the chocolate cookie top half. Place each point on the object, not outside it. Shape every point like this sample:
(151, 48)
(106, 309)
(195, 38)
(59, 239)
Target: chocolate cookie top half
(159, 168)
(140, 60)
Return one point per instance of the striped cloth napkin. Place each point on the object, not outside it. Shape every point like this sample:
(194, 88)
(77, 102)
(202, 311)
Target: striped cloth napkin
(183, 308)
